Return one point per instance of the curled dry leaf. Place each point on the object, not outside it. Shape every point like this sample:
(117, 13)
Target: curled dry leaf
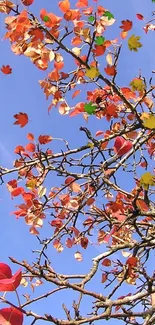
(78, 256)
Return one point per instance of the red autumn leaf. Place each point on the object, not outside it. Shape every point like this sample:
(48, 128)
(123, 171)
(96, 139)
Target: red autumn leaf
(84, 242)
(30, 147)
(132, 261)
(142, 205)
(69, 180)
(17, 191)
(70, 242)
(106, 262)
(5, 271)
(43, 139)
(6, 69)
(56, 223)
(110, 70)
(9, 282)
(99, 50)
(22, 119)
(11, 185)
(19, 150)
(98, 133)
(104, 277)
(11, 316)
(126, 25)
(140, 17)
(122, 146)
(90, 201)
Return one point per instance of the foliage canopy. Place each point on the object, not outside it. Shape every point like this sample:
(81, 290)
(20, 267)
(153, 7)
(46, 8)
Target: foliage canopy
(104, 193)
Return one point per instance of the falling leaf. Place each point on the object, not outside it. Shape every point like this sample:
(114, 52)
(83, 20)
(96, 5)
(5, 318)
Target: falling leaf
(133, 43)
(92, 72)
(22, 119)
(6, 69)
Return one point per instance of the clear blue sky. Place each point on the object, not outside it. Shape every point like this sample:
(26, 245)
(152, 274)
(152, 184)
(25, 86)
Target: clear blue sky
(20, 91)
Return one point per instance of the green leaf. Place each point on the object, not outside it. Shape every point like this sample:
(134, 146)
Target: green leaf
(91, 19)
(108, 14)
(46, 19)
(153, 0)
(99, 40)
(89, 108)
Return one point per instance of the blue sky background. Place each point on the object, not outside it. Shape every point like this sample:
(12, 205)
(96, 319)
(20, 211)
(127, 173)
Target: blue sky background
(21, 91)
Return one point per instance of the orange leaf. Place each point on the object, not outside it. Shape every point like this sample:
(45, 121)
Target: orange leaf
(76, 93)
(99, 50)
(82, 3)
(110, 70)
(64, 5)
(6, 69)
(30, 136)
(126, 25)
(22, 119)
(43, 139)
(30, 147)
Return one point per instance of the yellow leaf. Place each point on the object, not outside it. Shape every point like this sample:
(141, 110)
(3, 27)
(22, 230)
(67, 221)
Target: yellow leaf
(31, 184)
(148, 120)
(147, 180)
(137, 84)
(133, 43)
(92, 72)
